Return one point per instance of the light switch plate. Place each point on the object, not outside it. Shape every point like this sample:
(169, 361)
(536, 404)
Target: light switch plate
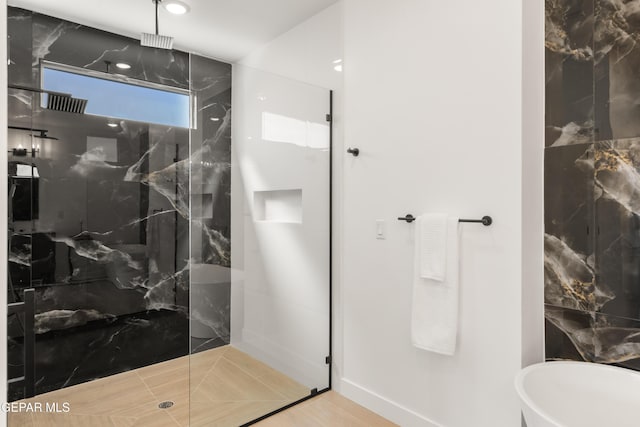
(381, 229)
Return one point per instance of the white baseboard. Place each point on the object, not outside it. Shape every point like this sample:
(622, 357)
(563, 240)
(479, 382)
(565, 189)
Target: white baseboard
(384, 407)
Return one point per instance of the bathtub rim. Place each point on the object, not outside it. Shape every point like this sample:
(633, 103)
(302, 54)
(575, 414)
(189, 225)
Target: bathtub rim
(526, 399)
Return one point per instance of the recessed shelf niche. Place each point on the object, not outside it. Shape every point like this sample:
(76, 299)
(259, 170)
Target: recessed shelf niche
(282, 206)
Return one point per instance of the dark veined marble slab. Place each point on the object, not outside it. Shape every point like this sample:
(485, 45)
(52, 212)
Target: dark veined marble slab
(108, 250)
(592, 337)
(569, 72)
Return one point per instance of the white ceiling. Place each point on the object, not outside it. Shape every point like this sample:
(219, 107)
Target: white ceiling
(222, 29)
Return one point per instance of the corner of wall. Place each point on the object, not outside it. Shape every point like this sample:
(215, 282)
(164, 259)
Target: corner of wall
(533, 182)
(337, 243)
(338, 148)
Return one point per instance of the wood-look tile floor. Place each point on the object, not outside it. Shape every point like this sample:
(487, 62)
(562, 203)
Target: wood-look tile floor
(220, 387)
(327, 410)
(225, 387)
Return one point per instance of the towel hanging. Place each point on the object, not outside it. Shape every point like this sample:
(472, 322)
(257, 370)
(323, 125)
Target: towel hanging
(434, 311)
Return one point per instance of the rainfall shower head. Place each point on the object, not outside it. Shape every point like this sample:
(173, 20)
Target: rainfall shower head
(67, 104)
(156, 40)
(58, 101)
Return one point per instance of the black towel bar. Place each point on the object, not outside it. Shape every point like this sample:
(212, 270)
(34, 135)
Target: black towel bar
(486, 220)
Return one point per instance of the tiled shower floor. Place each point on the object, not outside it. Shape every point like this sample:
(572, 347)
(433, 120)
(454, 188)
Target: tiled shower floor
(224, 387)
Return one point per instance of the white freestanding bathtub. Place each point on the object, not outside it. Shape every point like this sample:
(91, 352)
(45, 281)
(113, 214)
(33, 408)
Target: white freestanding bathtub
(579, 394)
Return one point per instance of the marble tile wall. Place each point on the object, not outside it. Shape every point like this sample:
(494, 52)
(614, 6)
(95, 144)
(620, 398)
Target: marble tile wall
(107, 243)
(592, 181)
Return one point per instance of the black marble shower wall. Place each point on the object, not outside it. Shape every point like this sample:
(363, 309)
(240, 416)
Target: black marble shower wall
(592, 181)
(105, 238)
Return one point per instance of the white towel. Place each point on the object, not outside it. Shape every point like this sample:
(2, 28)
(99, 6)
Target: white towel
(431, 242)
(434, 312)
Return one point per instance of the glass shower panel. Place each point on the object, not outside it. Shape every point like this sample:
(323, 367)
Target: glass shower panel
(210, 204)
(99, 229)
(276, 284)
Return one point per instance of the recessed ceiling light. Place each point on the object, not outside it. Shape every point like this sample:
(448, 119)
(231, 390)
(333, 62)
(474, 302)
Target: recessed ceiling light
(215, 119)
(123, 65)
(176, 7)
(112, 125)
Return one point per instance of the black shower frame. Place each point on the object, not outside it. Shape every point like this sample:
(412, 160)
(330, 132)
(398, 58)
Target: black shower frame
(329, 359)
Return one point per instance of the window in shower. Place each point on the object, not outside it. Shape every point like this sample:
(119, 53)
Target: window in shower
(109, 97)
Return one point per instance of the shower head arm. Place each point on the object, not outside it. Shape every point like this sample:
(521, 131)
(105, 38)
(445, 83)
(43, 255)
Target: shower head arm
(28, 129)
(157, 2)
(33, 89)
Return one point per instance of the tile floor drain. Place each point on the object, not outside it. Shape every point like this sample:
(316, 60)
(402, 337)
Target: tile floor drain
(165, 405)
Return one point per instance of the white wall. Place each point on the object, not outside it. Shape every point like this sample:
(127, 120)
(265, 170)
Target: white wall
(3, 209)
(433, 99)
(280, 302)
(306, 52)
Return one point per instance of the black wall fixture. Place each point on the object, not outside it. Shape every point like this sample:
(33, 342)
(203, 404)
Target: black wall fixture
(486, 220)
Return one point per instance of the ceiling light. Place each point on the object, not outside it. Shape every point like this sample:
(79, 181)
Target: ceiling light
(338, 68)
(215, 119)
(176, 7)
(123, 65)
(112, 125)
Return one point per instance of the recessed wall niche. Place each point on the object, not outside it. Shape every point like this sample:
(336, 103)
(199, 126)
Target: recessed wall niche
(278, 206)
